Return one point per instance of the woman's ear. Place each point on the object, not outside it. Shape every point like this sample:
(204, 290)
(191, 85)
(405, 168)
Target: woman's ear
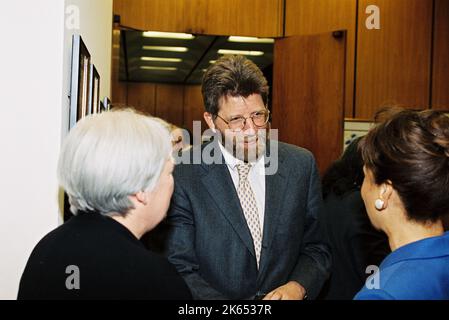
(142, 197)
(386, 191)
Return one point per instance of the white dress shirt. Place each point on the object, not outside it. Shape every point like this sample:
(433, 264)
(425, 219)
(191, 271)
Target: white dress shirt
(256, 178)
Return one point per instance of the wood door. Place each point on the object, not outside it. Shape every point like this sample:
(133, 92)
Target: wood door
(305, 17)
(440, 81)
(308, 93)
(393, 62)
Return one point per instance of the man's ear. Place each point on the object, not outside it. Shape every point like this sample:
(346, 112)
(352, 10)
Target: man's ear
(209, 120)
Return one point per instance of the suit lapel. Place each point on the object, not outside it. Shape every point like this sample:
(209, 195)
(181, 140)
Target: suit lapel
(275, 188)
(219, 185)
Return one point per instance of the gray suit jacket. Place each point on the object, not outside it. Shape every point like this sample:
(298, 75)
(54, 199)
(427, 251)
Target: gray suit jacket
(210, 243)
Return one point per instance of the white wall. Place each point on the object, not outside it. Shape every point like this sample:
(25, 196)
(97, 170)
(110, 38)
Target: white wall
(34, 84)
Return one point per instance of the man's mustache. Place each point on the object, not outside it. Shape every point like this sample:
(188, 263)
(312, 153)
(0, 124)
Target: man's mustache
(250, 138)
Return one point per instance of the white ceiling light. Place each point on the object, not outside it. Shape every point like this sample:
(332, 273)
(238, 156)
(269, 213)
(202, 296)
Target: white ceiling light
(250, 39)
(158, 68)
(165, 48)
(159, 59)
(168, 35)
(242, 52)
(212, 61)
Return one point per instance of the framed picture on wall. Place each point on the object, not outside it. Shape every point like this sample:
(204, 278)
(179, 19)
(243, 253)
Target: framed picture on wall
(94, 90)
(107, 103)
(102, 108)
(354, 129)
(79, 92)
(80, 80)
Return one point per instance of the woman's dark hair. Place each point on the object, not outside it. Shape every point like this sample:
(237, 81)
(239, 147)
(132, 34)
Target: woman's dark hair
(235, 76)
(411, 149)
(345, 174)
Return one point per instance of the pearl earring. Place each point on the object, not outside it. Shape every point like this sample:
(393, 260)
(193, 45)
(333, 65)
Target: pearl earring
(379, 204)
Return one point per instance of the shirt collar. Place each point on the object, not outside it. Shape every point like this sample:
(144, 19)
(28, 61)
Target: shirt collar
(230, 160)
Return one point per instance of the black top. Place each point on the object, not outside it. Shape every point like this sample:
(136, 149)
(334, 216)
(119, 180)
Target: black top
(112, 264)
(354, 242)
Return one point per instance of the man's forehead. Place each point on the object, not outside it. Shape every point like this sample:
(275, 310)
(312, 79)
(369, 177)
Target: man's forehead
(234, 100)
(230, 101)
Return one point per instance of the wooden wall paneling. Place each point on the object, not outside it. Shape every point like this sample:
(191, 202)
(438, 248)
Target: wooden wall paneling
(193, 107)
(308, 94)
(262, 18)
(217, 17)
(142, 97)
(158, 15)
(440, 81)
(169, 103)
(305, 17)
(118, 89)
(119, 93)
(393, 63)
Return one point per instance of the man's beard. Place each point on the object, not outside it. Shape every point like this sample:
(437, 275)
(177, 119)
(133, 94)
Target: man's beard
(235, 145)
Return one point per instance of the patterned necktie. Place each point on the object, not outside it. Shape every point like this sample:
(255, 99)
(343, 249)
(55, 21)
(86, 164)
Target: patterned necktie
(249, 206)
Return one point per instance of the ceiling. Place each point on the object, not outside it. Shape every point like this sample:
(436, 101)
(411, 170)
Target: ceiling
(142, 65)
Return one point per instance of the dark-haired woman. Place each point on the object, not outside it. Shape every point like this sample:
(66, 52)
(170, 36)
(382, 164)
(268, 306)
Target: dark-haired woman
(354, 242)
(406, 194)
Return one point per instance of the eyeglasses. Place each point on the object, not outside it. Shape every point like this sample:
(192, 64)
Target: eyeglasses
(259, 119)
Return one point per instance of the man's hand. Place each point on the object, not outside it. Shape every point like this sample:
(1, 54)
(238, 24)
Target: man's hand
(290, 291)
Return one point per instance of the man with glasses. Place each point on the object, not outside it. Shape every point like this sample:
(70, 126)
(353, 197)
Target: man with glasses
(236, 230)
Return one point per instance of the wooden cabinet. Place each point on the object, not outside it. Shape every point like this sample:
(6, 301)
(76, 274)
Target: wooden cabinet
(215, 17)
(393, 63)
(440, 79)
(304, 17)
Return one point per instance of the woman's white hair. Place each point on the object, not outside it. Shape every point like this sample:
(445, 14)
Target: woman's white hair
(109, 156)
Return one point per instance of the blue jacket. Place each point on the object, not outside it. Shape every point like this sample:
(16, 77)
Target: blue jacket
(417, 271)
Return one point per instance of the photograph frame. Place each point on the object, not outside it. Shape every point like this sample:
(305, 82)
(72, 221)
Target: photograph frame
(94, 90)
(80, 80)
(107, 103)
(355, 128)
(102, 107)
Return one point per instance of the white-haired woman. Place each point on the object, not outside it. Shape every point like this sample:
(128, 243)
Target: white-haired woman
(116, 168)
